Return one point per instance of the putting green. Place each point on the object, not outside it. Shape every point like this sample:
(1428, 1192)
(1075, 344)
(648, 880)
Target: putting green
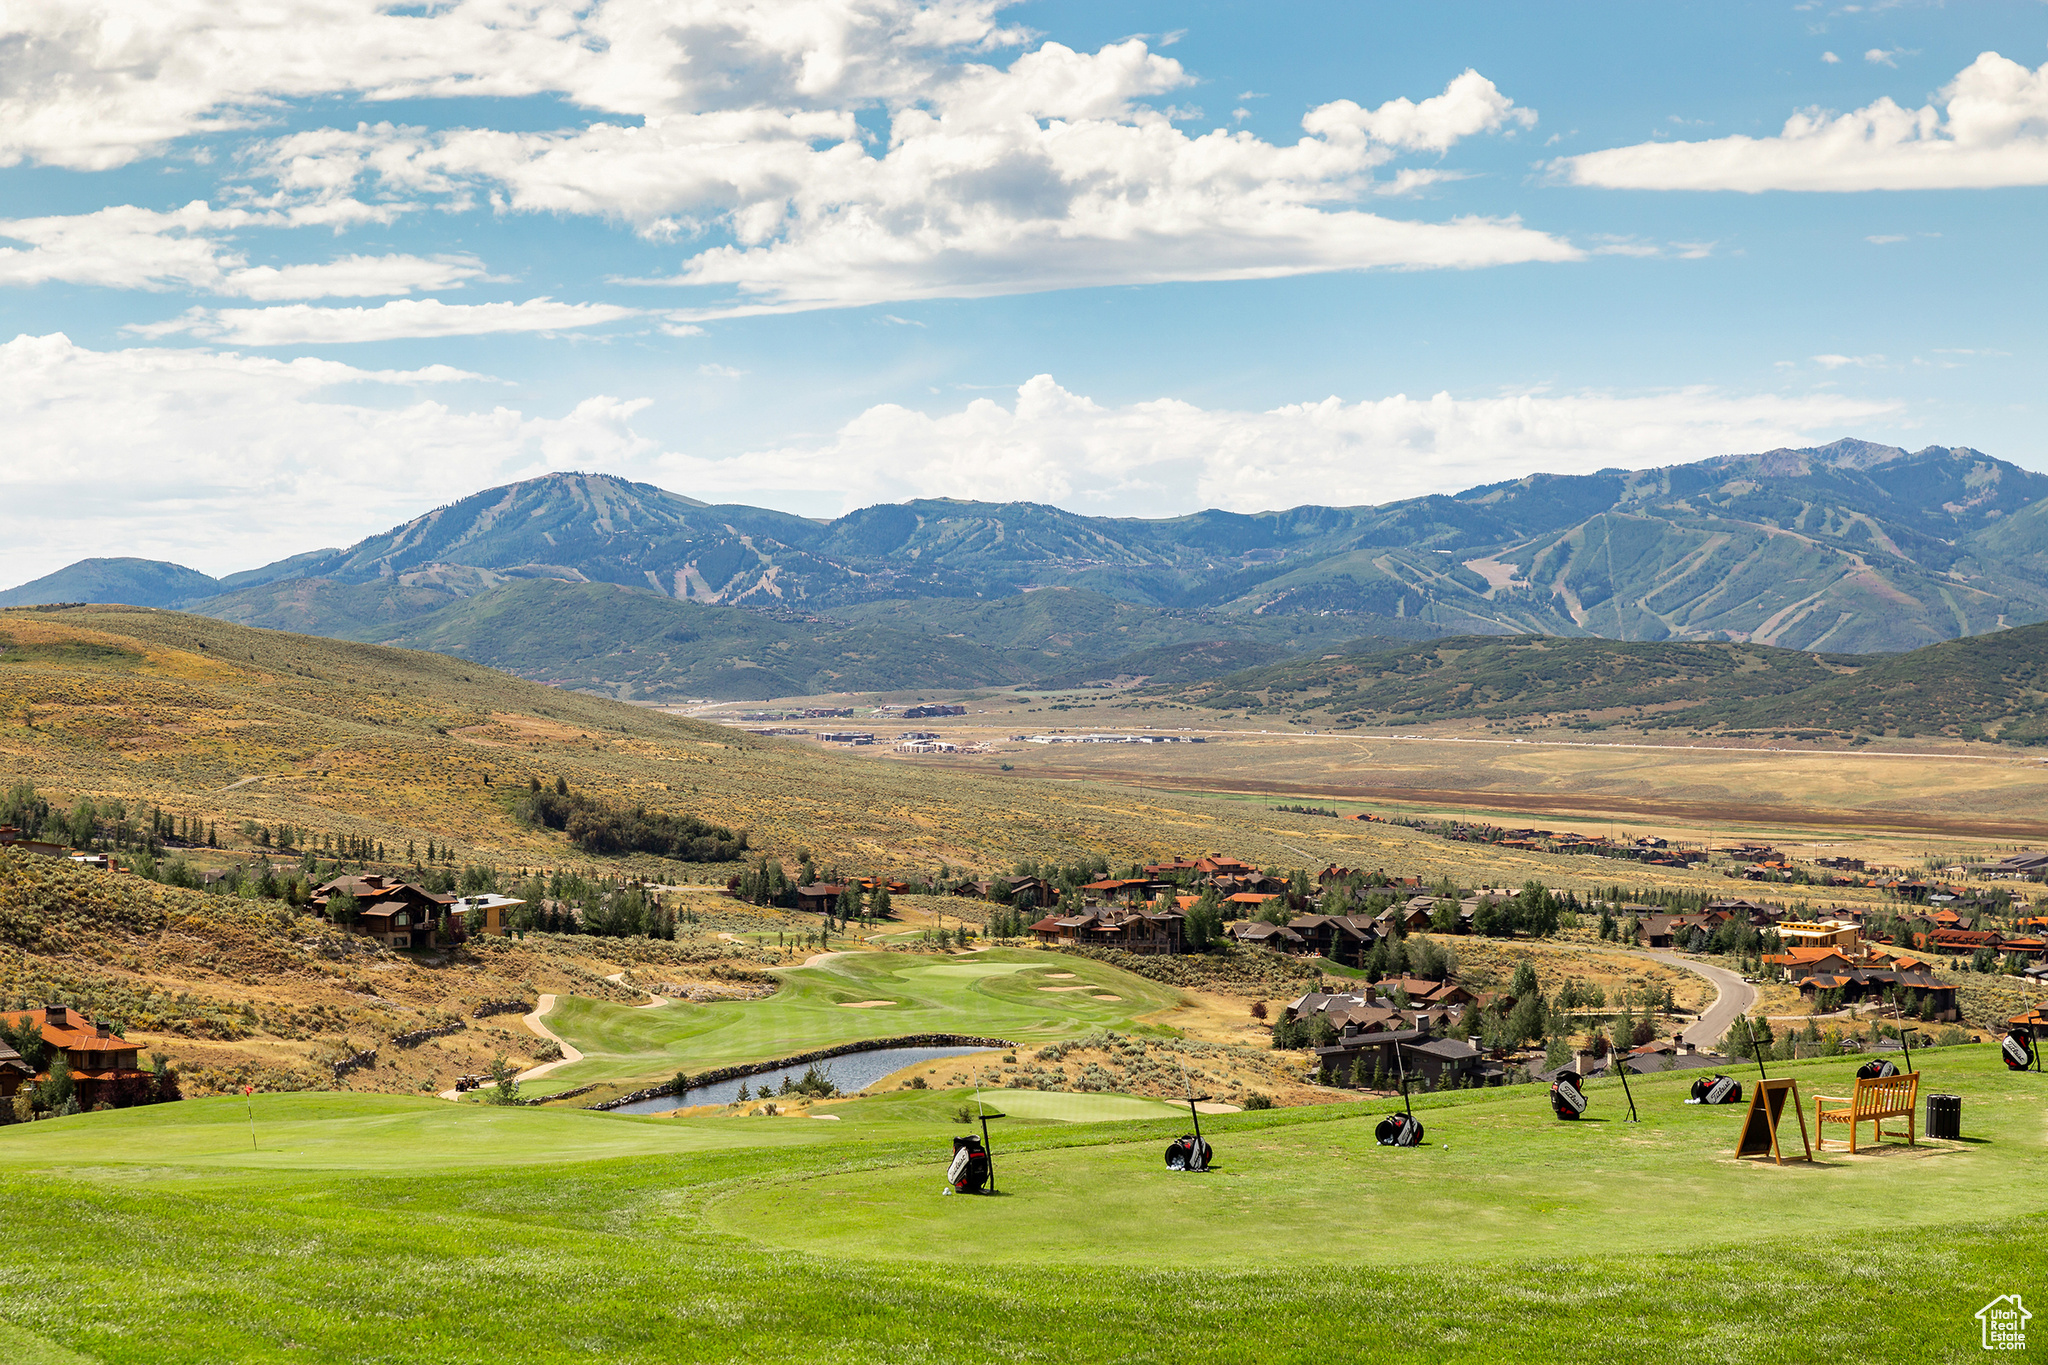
(1497, 1167)
(993, 995)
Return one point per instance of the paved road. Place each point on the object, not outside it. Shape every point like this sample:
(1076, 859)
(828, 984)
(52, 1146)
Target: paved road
(1735, 998)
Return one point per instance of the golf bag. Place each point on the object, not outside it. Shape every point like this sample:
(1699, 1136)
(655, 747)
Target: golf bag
(1876, 1069)
(969, 1171)
(2018, 1049)
(1716, 1090)
(1565, 1096)
(1398, 1130)
(1187, 1153)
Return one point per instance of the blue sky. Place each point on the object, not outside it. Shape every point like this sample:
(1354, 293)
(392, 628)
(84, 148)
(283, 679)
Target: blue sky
(278, 285)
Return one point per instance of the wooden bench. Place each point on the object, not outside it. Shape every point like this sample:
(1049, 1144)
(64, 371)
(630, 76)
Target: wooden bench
(1875, 1100)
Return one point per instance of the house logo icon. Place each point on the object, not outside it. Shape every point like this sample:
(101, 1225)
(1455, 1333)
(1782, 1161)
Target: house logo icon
(2005, 1323)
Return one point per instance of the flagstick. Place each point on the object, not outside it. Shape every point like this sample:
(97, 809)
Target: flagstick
(249, 1094)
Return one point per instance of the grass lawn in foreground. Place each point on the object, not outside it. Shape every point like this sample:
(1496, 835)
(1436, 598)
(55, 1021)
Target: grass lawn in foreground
(1509, 1237)
(1496, 1165)
(1026, 996)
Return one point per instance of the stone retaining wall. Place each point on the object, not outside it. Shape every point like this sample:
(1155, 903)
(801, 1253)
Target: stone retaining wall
(420, 1035)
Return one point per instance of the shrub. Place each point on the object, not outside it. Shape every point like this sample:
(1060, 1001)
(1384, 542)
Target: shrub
(1256, 1100)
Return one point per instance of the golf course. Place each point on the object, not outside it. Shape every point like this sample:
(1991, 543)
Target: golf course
(1021, 995)
(356, 1227)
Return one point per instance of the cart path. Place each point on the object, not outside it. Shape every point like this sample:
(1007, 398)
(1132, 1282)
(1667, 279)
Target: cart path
(534, 1024)
(1734, 999)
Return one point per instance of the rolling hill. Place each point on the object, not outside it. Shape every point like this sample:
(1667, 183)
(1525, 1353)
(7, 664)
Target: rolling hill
(1850, 548)
(1986, 687)
(139, 582)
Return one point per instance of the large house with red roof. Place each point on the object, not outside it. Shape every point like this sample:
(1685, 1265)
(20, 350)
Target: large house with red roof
(102, 1062)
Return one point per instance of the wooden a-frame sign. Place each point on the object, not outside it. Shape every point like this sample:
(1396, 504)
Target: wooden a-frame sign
(1760, 1124)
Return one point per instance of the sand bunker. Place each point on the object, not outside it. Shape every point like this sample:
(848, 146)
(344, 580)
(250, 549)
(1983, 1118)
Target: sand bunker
(1058, 976)
(863, 1004)
(1105, 997)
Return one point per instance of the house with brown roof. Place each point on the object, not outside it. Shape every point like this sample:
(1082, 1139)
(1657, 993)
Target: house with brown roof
(14, 1072)
(396, 914)
(1800, 963)
(1151, 930)
(102, 1062)
(1340, 938)
(1255, 933)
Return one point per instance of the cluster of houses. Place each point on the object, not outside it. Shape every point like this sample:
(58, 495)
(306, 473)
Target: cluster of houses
(1830, 955)
(103, 1064)
(1649, 849)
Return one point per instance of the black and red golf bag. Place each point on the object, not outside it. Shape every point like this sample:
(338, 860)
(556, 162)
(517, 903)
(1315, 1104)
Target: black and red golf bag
(970, 1168)
(1398, 1130)
(1567, 1100)
(1716, 1090)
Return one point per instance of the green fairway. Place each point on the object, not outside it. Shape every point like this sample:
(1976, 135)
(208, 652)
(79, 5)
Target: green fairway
(413, 1230)
(1496, 1165)
(1000, 993)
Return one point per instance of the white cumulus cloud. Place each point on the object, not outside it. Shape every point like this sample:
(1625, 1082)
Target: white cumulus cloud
(1988, 129)
(1166, 456)
(1048, 174)
(301, 324)
(738, 122)
(125, 247)
(224, 461)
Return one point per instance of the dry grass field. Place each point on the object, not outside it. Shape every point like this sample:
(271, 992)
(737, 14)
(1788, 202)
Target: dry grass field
(229, 724)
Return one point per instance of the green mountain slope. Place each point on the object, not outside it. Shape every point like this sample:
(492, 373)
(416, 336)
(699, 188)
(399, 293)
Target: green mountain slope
(1985, 687)
(138, 582)
(636, 645)
(1519, 678)
(1848, 548)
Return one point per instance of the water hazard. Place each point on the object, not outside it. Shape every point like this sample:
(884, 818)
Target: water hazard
(852, 1072)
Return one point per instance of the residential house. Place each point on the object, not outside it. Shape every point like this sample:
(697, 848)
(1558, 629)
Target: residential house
(493, 909)
(1827, 933)
(1153, 931)
(1253, 933)
(1800, 963)
(103, 1064)
(820, 898)
(1340, 938)
(14, 1072)
(12, 837)
(396, 914)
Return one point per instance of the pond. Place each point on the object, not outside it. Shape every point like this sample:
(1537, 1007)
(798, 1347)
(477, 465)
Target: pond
(852, 1072)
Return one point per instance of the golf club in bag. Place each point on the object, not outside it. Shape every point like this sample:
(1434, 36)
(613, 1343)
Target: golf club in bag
(1567, 1100)
(1716, 1090)
(1402, 1129)
(2018, 1049)
(1189, 1152)
(1876, 1069)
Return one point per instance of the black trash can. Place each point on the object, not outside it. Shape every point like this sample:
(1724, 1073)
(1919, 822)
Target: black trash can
(1945, 1116)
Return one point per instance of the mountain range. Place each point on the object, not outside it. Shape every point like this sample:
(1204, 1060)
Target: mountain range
(609, 585)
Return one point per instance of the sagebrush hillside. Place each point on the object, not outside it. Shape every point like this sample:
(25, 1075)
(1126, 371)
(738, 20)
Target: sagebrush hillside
(228, 725)
(241, 991)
